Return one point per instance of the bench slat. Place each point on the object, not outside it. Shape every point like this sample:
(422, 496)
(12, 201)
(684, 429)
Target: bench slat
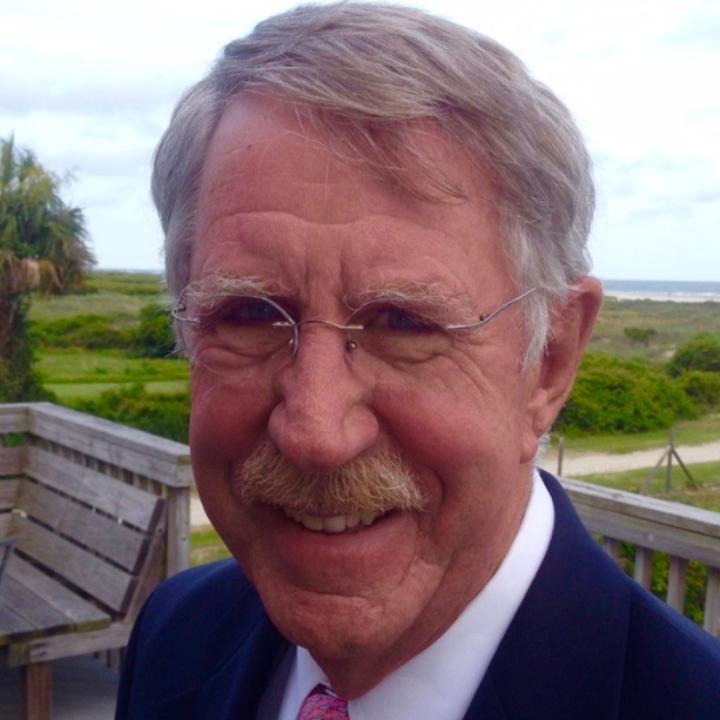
(6, 524)
(108, 494)
(8, 492)
(11, 461)
(100, 534)
(36, 610)
(92, 574)
(79, 610)
(12, 624)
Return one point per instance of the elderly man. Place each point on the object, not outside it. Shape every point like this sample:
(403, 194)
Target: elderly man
(376, 226)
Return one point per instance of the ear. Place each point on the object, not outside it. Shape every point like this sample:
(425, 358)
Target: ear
(570, 328)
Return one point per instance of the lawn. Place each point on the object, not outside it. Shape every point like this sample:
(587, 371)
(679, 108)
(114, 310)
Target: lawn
(82, 374)
(707, 476)
(673, 322)
(687, 432)
(206, 546)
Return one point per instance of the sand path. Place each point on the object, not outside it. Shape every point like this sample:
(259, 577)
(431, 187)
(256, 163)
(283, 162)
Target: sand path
(574, 465)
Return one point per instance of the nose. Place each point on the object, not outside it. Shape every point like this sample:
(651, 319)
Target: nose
(323, 417)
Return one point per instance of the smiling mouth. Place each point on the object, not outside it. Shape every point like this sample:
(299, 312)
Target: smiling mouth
(334, 523)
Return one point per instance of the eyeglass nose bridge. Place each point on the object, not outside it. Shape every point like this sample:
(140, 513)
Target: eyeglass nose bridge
(350, 345)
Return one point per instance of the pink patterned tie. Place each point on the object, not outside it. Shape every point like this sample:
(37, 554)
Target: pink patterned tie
(321, 705)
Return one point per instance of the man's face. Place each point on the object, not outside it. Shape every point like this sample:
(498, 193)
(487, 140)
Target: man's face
(278, 206)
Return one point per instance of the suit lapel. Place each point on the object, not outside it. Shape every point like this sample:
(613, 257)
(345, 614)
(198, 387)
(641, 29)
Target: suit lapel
(234, 691)
(563, 654)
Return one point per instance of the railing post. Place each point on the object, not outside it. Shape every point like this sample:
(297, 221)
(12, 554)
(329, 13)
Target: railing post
(561, 455)
(712, 602)
(668, 468)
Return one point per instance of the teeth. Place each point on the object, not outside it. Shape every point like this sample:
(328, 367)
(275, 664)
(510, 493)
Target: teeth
(331, 524)
(312, 522)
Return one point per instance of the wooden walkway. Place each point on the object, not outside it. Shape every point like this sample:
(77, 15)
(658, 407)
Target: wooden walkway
(83, 689)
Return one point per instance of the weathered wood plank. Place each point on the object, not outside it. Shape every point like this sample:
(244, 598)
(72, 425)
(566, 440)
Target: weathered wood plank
(12, 461)
(98, 533)
(31, 607)
(81, 612)
(94, 488)
(712, 602)
(178, 535)
(643, 566)
(37, 690)
(7, 524)
(677, 581)
(612, 548)
(90, 573)
(14, 418)
(662, 538)
(59, 646)
(12, 625)
(661, 512)
(8, 494)
(163, 460)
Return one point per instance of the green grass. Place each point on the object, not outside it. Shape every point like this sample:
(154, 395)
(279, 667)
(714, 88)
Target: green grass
(128, 283)
(68, 392)
(206, 546)
(74, 374)
(121, 307)
(687, 432)
(674, 323)
(707, 475)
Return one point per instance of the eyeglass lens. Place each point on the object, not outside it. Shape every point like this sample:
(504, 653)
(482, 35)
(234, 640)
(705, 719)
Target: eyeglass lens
(246, 331)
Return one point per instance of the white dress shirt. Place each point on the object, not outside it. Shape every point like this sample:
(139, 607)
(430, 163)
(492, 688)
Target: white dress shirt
(440, 682)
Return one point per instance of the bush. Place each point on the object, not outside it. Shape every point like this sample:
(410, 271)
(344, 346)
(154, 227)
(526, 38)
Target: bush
(701, 352)
(153, 337)
(616, 396)
(93, 332)
(165, 415)
(703, 389)
(639, 335)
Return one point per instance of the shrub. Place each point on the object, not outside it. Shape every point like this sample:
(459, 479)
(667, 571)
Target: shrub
(639, 335)
(613, 395)
(703, 389)
(165, 415)
(701, 352)
(153, 338)
(93, 332)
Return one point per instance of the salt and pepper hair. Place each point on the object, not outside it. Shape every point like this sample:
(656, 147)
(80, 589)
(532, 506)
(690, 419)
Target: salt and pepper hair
(363, 72)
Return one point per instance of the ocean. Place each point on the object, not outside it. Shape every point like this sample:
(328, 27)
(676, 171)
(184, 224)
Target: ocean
(663, 290)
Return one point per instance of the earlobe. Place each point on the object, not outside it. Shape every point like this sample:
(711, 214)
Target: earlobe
(571, 327)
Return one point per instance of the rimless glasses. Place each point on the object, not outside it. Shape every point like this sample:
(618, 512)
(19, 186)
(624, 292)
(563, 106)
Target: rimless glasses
(238, 331)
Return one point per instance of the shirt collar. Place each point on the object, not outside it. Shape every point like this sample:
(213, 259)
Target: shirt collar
(440, 681)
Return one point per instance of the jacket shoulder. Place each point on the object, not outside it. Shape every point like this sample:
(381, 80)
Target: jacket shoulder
(672, 667)
(189, 627)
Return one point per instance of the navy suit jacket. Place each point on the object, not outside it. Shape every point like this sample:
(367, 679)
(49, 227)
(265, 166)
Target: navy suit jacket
(587, 643)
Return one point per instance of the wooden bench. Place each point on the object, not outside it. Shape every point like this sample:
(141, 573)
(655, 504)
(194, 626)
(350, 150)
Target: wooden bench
(99, 514)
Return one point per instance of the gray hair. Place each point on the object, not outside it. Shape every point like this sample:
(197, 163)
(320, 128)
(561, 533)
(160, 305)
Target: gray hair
(364, 71)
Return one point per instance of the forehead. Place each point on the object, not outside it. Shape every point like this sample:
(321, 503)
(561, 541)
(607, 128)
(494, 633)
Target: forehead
(278, 199)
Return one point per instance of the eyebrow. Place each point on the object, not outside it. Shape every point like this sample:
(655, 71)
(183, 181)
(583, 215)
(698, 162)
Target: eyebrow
(204, 293)
(430, 299)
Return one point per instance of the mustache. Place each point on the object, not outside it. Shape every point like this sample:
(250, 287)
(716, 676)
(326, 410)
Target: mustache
(373, 483)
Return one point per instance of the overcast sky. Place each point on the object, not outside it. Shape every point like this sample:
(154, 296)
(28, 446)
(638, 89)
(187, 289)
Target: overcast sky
(90, 90)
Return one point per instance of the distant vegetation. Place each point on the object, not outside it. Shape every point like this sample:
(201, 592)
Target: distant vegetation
(110, 351)
(43, 248)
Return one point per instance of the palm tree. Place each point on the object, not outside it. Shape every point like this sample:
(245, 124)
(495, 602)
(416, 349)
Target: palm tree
(43, 247)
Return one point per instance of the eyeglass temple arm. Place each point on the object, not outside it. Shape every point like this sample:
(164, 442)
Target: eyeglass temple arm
(487, 318)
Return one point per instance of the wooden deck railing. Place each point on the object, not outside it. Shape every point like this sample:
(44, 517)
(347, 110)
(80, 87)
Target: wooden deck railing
(154, 464)
(162, 467)
(651, 525)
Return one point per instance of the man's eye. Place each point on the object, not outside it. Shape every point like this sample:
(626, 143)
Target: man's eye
(392, 319)
(248, 311)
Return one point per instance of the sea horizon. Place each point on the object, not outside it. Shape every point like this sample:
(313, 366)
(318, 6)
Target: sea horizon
(657, 290)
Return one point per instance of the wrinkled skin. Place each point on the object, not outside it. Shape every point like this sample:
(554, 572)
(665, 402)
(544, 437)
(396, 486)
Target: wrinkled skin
(276, 203)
